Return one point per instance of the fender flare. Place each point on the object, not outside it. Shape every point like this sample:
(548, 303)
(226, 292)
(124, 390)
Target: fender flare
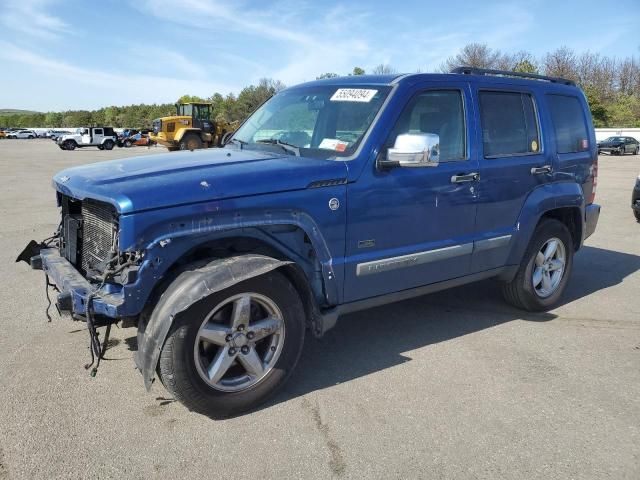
(193, 284)
(542, 200)
(181, 132)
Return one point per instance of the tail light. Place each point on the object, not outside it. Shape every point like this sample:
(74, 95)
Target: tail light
(594, 173)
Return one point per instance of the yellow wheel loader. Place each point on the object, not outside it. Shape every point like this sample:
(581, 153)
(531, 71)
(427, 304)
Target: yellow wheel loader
(191, 128)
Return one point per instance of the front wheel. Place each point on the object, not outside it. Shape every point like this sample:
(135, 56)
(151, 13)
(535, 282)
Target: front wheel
(70, 145)
(228, 352)
(190, 142)
(545, 268)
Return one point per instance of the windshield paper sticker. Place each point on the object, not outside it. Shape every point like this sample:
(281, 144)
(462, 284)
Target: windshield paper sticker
(353, 95)
(333, 144)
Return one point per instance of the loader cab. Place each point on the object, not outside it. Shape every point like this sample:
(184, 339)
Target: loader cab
(200, 114)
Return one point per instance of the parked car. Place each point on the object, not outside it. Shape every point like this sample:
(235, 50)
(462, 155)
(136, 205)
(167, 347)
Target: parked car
(334, 196)
(22, 134)
(55, 134)
(619, 145)
(104, 138)
(134, 139)
(2, 134)
(635, 199)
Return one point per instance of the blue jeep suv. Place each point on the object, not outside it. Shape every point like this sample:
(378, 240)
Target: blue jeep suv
(334, 196)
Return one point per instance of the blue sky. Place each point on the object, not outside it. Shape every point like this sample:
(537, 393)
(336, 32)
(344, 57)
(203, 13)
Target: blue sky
(73, 54)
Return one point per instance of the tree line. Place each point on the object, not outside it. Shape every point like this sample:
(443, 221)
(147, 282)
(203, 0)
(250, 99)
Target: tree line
(612, 87)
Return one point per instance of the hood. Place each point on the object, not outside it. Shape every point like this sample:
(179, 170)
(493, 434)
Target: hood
(179, 178)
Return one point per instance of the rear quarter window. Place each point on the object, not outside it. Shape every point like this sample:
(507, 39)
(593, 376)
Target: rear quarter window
(569, 124)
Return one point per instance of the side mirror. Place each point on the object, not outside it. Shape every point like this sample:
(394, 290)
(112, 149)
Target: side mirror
(414, 150)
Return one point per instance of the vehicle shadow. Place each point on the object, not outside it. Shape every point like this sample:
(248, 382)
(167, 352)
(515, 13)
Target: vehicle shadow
(366, 342)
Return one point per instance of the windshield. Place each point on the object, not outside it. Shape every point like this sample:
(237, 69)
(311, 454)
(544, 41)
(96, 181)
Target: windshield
(614, 139)
(319, 121)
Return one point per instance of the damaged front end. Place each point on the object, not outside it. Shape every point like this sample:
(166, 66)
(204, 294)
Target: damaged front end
(82, 262)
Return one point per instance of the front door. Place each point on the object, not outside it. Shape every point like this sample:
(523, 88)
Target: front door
(514, 160)
(409, 227)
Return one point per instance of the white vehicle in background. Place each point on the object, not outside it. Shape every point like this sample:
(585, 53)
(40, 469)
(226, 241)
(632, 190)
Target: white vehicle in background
(102, 137)
(22, 134)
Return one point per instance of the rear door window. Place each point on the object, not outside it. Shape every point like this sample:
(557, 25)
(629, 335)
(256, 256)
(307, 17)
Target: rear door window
(509, 124)
(568, 123)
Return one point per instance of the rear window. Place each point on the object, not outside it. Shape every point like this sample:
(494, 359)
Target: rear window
(509, 124)
(568, 123)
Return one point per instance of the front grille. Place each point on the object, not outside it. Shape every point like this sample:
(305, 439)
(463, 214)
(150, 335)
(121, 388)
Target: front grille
(98, 235)
(89, 234)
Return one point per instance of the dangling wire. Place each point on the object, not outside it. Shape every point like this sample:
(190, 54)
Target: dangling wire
(48, 284)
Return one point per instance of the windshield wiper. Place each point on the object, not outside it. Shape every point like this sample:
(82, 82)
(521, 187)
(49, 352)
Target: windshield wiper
(287, 147)
(241, 143)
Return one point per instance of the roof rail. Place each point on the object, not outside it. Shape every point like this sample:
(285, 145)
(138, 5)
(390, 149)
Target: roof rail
(507, 73)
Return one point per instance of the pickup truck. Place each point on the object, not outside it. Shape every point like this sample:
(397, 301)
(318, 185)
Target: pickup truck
(334, 196)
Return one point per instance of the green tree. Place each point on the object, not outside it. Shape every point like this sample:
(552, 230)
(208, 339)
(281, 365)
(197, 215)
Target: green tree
(326, 75)
(525, 66)
(357, 71)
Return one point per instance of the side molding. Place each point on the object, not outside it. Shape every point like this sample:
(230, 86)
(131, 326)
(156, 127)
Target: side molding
(189, 287)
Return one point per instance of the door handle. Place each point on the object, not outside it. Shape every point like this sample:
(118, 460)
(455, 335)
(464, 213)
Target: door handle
(541, 170)
(466, 177)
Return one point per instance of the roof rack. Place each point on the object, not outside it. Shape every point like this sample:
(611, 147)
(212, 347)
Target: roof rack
(506, 73)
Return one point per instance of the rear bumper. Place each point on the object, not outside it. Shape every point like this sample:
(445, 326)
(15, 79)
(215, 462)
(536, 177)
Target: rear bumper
(591, 215)
(75, 289)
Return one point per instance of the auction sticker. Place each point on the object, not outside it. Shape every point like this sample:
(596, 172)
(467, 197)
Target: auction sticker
(333, 144)
(353, 95)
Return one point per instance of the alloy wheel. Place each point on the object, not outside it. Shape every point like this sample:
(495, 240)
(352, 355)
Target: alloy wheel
(239, 342)
(549, 267)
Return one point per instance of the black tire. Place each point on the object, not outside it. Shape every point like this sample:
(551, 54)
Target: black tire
(70, 145)
(30, 137)
(190, 141)
(636, 213)
(635, 152)
(520, 292)
(108, 144)
(127, 143)
(177, 366)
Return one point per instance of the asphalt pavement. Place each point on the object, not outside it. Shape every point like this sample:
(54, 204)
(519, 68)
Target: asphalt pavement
(454, 385)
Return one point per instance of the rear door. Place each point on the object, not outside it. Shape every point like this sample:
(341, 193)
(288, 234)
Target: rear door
(98, 135)
(514, 161)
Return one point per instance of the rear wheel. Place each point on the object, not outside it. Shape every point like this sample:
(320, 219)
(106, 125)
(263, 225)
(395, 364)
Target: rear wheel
(635, 152)
(545, 268)
(30, 137)
(231, 350)
(190, 142)
(108, 145)
(637, 215)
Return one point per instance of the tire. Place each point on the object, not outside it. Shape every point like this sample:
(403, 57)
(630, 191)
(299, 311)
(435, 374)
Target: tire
(190, 141)
(108, 145)
(30, 137)
(183, 363)
(521, 291)
(636, 213)
(635, 152)
(127, 143)
(100, 147)
(70, 145)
